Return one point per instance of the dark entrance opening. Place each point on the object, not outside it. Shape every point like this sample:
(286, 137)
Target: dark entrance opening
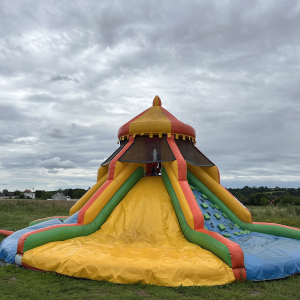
(151, 151)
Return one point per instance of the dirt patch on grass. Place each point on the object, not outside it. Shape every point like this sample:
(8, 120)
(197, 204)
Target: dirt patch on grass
(102, 294)
(255, 293)
(182, 294)
(142, 293)
(10, 279)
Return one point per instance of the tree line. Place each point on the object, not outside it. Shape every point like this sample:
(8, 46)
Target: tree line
(265, 196)
(44, 195)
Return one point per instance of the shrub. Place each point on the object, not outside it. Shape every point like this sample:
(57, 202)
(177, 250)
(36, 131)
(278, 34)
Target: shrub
(287, 199)
(264, 201)
(256, 198)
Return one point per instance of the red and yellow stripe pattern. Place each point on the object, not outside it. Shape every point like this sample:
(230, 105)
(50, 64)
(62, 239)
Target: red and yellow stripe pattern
(156, 121)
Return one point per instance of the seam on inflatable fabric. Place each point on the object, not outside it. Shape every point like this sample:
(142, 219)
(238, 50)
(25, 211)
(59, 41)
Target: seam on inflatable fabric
(183, 128)
(79, 205)
(191, 201)
(22, 239)
(32, 268)
(218, 174)
(182, 167)
(81, 214)
(187, 192)
(275, 224)
(236, 252)
(125, 129)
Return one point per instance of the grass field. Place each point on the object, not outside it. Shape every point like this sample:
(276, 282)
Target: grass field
(19, 283)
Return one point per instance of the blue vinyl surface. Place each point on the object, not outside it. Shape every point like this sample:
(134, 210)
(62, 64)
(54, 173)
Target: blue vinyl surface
(265, 256)
(8, 247)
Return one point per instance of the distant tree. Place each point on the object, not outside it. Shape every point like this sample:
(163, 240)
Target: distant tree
(68, 192)
(46, 195)
(245, 200)
(297, 201)
(39, 193)
(21, 196)
(78, 193)
(255, 199)
(264, 201)
(18, 193)
(286, 199)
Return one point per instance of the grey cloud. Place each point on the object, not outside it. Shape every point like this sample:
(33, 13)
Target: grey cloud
(63, 78)
(53, 171)
(9, 113)
(42, 98)
(58, 133)
(62, 133)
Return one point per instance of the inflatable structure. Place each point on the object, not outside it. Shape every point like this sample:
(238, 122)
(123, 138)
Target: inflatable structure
(157, 215)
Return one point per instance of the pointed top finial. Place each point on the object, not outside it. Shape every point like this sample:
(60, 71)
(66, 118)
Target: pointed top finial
(156, 101)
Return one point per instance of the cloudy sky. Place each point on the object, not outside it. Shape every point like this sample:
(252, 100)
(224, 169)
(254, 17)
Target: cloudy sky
(73, 72)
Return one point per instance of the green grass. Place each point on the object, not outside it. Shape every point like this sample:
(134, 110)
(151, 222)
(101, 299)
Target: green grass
(285, 215)
(19, 283)
(15, 215)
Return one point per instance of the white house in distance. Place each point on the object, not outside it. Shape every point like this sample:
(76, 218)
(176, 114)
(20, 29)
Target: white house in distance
(29, 194)
(60, 196)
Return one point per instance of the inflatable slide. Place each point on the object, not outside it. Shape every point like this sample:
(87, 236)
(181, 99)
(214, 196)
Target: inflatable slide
(157, 215)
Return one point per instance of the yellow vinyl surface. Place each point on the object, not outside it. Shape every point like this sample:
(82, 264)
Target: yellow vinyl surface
(87, 196)
(140, 241)
(154, 120)
(180, 195)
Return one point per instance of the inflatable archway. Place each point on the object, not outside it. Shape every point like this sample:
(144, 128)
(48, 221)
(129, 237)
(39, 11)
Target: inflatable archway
(157, 215)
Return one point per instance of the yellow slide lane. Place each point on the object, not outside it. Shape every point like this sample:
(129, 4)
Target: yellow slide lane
(87, 196)
(140, 241)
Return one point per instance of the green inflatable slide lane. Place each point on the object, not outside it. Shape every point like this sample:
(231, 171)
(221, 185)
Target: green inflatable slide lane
(68, 232)
(199, 238)
(262, 228)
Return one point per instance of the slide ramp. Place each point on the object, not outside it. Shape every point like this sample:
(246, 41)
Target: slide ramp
(265, 256)
(51, 229)
(141, 241)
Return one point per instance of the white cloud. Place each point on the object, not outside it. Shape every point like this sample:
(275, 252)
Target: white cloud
(55, 163)
(97, 161)
(27, 140)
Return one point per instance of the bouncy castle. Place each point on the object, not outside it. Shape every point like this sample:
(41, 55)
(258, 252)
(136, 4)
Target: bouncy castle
(157, 215)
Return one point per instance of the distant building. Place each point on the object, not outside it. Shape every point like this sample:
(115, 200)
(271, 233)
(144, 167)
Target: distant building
(60, 196)
(6, 194)
(29, 194)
